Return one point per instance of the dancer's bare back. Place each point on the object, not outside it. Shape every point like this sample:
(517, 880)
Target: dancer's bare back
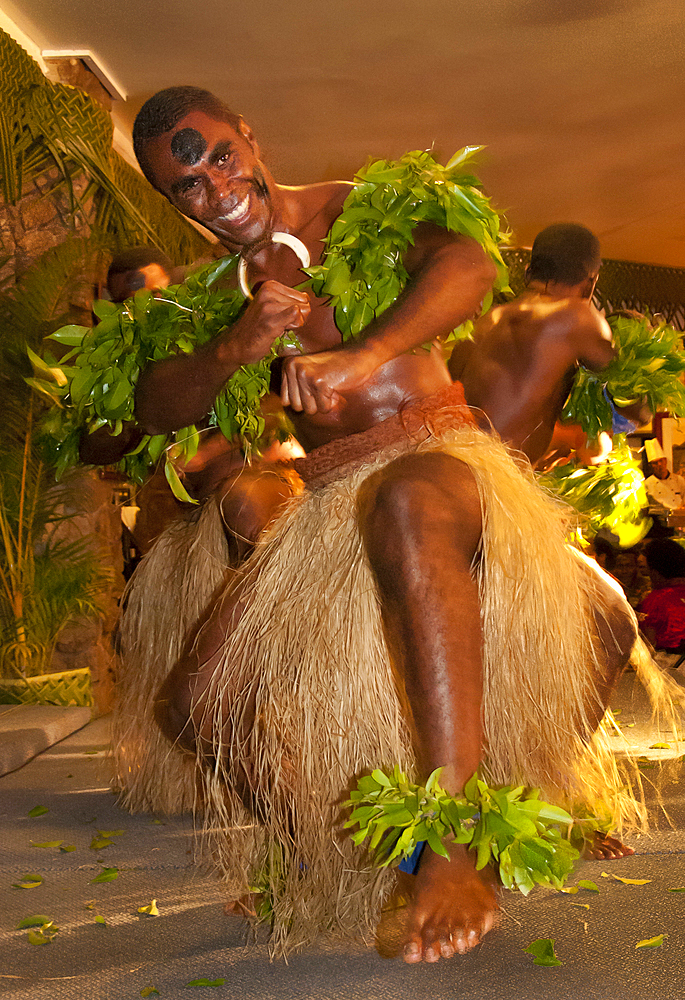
(520, 365)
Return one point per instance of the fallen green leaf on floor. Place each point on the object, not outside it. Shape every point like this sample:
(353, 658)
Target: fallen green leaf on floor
(630, 725)
(38, 920)
(630, 881)
(111, 833)
(101, 920)
(584, 906)
(67, 848)
(44, 935)
(70, 776)
(38, 811)
(28, 881)
(654, 942)
(47, 843)
(106, 875)
(156, 822)
(150, 910)
(543, 950)
(660, 746)
(206, 982)
(586, 883)
(90, 752)
(97, 843)
(680, 888)
(570, 890)
(90, 905)
(147, 991)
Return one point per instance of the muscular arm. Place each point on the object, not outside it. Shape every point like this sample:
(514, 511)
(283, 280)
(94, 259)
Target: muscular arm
(181, 390)
(449, 276)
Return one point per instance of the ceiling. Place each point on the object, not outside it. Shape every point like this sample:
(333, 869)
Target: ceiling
(580, 102)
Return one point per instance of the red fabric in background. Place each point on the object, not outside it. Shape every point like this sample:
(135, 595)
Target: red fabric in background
(665, 610)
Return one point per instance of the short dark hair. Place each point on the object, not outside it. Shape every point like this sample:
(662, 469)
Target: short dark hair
(565, 252)
(666, 557)
(165, 109)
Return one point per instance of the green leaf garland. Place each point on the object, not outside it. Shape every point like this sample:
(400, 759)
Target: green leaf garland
(93, 385)
(363, 272)
(611, 495)
(649, 365)
(528, 839)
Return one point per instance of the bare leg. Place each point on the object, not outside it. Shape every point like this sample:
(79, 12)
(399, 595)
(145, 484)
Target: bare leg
(420, 520)
(251, 499)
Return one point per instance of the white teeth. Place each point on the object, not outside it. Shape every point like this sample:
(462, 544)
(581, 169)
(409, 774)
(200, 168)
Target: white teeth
(239, 210)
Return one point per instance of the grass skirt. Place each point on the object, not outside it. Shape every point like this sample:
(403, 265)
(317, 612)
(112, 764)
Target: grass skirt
(310, 660)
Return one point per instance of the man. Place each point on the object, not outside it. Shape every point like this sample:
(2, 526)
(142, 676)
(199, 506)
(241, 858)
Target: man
(663, 486)
(417, 517)
(136, 268)
(520, 365)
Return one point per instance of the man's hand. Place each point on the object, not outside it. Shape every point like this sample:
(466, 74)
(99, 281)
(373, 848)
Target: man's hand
(274, 309)
(316, 383)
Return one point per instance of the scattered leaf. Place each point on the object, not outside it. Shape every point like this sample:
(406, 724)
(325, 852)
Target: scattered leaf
(156, 822)
(586, 883)
(206, 982)
(90, 905)
(67, 848)
(29, 881)
(101, 920)
(680, 888)
(97, 843)
(150, 910)
(39, 920)
(111, 833)
(543, 950)
(90, 752)
(571, 890)
(654, 942)
(631, 881)
(106, 875)
(584, 906)
(660, 746)
(630, 725)
(47, 843)
(70, 776)
(147, 991)
(37, 937)
(38, 811)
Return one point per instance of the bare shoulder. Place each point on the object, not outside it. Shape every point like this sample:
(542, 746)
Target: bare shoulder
(327, 197)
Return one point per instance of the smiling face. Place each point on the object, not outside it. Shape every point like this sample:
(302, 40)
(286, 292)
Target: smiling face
(212, 173)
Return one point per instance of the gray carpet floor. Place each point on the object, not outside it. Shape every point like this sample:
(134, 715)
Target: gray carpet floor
(594, 933)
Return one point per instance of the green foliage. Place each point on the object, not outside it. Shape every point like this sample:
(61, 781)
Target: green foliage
(93, 384)
(610, 495)
(527, 839)
(543, 951)
(363, 272)
(649, 365)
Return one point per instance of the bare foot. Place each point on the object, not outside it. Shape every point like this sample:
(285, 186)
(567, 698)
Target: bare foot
(604, 848)
(453, 907)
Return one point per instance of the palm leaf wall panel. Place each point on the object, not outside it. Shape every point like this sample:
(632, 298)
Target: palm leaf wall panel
(44, 125)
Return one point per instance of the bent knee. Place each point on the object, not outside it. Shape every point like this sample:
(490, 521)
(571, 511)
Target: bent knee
(251, 500)
(414, 487)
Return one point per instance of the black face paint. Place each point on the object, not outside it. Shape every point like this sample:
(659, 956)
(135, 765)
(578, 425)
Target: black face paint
(187, 146)
(260, 182)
